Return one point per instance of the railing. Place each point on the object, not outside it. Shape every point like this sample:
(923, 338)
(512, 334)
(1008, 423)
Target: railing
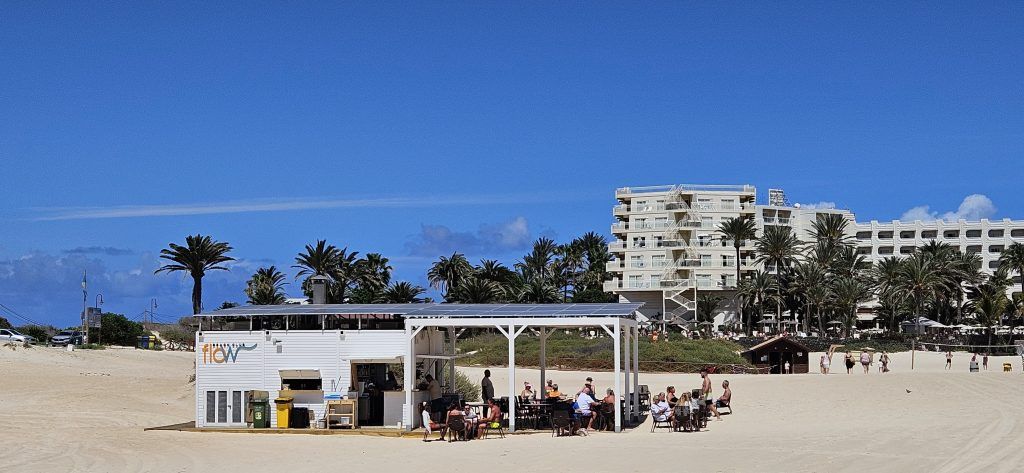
(590, 363)
(745, 188)
(616, 245)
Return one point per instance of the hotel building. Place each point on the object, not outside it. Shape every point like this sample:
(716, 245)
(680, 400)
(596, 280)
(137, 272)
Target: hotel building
(667, 249)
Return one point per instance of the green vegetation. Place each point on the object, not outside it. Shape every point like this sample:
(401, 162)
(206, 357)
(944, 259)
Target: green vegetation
(41, 333)
(469, 390)
(118, 330)
(574, 352)
(4, 323)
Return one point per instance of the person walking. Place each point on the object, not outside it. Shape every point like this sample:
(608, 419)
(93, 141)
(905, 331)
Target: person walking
(949, 360)
(984, 361)
(824, 363)
(849, 362)
(486, 389)
(883, 363)
(865, 361)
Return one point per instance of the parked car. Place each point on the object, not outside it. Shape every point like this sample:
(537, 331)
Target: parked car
(11, 335)
(65, 337)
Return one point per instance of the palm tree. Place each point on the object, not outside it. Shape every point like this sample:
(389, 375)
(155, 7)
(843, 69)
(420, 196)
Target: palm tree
(347, 274)
(707, 305)
(738, 230)
(402, 293)
(493, 270)
(266, 287)
(804, 277)
(849, 293)
(919, 278)
(376, 272)
(777, 247)
(199, 255)
(831, 229)
(477, 291)
(990, 301)
(539, 291)
(760, 289)
(819, 296)
(319, 260)
(1013, 256)
(447, 273)
(966, 269)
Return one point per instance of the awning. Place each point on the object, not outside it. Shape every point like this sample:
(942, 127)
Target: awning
(300, 374)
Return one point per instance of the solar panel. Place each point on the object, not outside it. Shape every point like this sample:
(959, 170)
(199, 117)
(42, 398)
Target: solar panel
(437, 310)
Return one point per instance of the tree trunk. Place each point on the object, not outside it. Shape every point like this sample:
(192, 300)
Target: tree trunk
(197, 294)
(821, 323)
(739, 306)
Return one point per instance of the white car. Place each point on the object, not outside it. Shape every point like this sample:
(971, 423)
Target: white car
(11, 335)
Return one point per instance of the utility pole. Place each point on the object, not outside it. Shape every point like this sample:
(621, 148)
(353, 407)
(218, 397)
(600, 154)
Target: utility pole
(85, 305)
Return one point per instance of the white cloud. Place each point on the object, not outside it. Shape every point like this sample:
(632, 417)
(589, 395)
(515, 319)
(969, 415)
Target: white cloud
(490, 238)
(973, 207)
(282, 205)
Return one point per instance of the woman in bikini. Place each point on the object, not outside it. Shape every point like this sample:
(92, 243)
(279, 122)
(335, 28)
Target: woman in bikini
(849, 362)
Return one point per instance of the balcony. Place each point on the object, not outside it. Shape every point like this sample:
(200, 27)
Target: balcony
(620, 227)
(617, 246)
(614, 266)
(616, 285)
(739, 189)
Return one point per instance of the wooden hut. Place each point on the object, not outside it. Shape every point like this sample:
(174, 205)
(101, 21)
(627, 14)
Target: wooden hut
(774, 353)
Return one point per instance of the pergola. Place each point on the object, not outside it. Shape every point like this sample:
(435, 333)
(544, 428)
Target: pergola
(617, 319)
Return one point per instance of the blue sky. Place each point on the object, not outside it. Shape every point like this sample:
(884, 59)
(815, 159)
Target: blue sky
(413, 130)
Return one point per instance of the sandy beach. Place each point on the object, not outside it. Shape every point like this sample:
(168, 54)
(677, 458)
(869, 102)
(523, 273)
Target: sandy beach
(86, 411)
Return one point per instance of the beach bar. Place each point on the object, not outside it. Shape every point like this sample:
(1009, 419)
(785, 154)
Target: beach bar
(775, 353)
(364, 365)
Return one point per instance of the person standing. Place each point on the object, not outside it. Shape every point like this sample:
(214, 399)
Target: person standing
(984, 361)
(434, 393)
(824, 363)
(884, 362)
(706, 392)
(849, 362)
(486, 389)
(949, 360)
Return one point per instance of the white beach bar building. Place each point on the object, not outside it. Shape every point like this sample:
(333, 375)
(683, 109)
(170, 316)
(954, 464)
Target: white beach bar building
(313, 353)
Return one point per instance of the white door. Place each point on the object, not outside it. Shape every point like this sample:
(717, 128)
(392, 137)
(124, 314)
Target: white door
(224, 407)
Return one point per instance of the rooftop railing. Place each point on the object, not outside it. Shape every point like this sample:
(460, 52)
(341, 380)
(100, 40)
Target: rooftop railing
(744, 188)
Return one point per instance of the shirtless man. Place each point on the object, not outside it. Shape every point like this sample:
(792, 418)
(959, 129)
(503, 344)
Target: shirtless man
(724, 399)
(705, 389)
(949, 360)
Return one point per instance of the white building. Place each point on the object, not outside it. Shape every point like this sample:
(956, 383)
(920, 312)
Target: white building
(667, 248)
(379, 355)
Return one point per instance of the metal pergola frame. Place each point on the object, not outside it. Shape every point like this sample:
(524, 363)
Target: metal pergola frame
(621, 329)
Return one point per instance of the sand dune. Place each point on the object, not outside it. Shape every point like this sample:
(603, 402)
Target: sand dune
(85, 411)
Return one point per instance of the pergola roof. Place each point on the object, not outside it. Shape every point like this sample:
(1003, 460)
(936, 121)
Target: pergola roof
(519, 311)
(439, 311)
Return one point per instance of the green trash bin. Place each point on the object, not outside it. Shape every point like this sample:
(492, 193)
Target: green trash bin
(260, 414)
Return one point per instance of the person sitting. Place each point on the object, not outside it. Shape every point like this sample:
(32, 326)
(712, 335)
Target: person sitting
(469, 414)
(493, 418)
(660, 409)
(554, 393)
(686, 421)
(723, 400)
(527, 391)
(429, 423)
(584, 405)
(454, 410)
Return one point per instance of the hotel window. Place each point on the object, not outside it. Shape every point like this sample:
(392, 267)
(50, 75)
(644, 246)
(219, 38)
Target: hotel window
(885, 250)
(906, 250)
(951, 234)
(728, 261)
(704, 280)
(707, 222)
(995, 249)
(705, 261)
(864, 250)
(974, 249)
(659, 241)
(863, 235)
(636, 261)
(655, 280)
(885, 235)
(640, 224)
(994, 264)
(704, 204)
(973, 233)
(906, 234)
(729, 204)
(639, 242)
(1017, 233)
(661, 222)
(729, 281)
(641, 206)
(634, 282)
(703, 240)
(929, 234)
(658, 261)
(996, 233)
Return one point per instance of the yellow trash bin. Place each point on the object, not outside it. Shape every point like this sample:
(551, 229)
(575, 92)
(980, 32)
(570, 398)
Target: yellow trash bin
(284, 409)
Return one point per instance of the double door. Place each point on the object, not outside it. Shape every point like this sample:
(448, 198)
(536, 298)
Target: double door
(224, 407)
